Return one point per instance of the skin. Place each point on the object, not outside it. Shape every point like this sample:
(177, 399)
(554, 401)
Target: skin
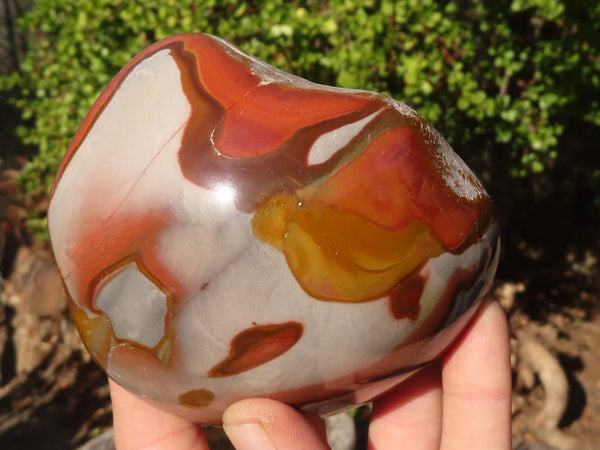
(462, 401)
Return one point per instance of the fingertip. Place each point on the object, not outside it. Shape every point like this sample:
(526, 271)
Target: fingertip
(269, 424)
(486, 335)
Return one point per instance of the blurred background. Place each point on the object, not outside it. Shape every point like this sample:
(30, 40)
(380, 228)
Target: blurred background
(513, 85)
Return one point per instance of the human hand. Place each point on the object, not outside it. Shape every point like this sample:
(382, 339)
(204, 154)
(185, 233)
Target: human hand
(462, 401)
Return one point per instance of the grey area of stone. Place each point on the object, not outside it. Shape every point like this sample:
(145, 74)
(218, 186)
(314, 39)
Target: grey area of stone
(341, 432)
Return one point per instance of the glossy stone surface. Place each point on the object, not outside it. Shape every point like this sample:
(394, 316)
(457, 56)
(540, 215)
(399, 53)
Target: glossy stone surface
(225, 230)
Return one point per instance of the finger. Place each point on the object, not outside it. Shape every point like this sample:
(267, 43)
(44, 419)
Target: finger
(411, 415)
(269, 425)
(139, 425)
(476, 383)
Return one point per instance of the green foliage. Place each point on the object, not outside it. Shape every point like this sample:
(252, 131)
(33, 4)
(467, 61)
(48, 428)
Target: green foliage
(502, 75)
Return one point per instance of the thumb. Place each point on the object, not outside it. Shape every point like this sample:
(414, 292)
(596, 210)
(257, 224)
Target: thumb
(270, 425)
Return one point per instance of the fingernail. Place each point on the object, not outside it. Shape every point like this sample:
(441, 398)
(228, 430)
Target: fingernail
(249, 436)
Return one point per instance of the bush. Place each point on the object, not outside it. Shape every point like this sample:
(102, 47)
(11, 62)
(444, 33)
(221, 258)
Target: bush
(500, 79)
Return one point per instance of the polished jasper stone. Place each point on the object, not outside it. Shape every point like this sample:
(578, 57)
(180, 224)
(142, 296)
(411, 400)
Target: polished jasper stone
(226, 230)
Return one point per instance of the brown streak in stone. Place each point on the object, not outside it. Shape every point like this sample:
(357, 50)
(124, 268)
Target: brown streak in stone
(254, 179)
(255, 346)
(404, 298)
(198, 398)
